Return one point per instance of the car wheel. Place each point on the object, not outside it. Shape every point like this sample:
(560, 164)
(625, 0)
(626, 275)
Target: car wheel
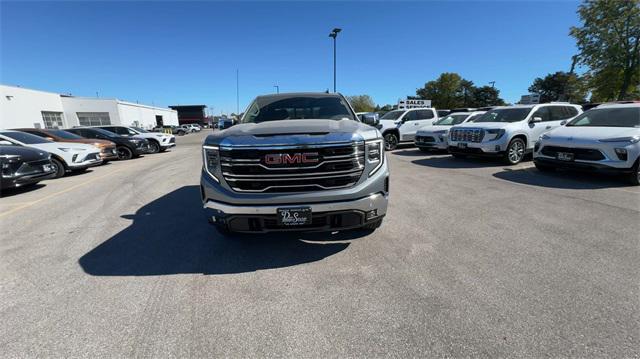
(58, 168)
(634, 176)
(124, 153)
(515, 151)
(544, 168)
(154, 146)
(180, 133)
(390, 141)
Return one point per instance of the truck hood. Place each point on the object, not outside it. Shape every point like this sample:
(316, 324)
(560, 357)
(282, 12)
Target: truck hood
(485, 125)
(592, 133)
(432, 129)
(293, 132)
(55, 146)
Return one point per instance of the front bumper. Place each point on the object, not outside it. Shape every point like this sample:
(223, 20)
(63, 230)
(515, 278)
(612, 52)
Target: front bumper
(326, 216)
(486, 148)
(431, 141)
(580, 165)
(108, 154)
(23, 180)
(94, 159)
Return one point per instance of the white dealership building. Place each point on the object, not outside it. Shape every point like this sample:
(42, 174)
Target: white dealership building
(21, 107)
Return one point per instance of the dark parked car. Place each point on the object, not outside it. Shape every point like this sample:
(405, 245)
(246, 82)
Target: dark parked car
(23, 166)
(127, 147)
(107, 148)
(175, 130)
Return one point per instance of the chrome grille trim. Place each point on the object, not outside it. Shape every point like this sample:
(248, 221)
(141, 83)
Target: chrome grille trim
(466, 134)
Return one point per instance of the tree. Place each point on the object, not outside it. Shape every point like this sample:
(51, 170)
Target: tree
(609, 39)
(486, 96)
(450, 91)
(559, 86)
(362, 103)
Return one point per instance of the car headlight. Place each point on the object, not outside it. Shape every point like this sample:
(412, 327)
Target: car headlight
(497, 132)
(374, 153)
(211, 160)
(67, 149)
(630, 139)
(441, 132)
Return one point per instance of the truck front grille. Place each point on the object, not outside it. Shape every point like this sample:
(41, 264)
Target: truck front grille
(292, 168)
(466, 135)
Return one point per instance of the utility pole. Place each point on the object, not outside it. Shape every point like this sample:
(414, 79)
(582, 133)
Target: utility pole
(237, 91)
(334, 35)
(277, 88)
(493, 84)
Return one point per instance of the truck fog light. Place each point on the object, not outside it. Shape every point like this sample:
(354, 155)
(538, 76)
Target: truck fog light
(621, 153)
(371, 214)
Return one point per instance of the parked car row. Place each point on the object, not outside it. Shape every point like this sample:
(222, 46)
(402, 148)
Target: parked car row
(29, 155)
(559, 135)
(176, 130)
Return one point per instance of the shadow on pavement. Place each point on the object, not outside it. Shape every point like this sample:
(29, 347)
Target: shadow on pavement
(564, 179)
(19, 190)
(171, 235)
(412, 152)
(452, 162)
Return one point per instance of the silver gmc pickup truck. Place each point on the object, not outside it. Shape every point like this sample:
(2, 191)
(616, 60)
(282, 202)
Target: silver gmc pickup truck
(298, 161)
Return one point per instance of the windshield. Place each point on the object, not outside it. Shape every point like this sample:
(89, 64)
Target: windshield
(141, 130)
(451, 120)
(25, 138)
(392, 115)
(608, 117)
(505, 115)
(64, 134)
(296, 108)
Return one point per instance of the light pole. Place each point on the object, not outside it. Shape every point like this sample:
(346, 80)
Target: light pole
(277, 88)
(237, 91)
(334, 35)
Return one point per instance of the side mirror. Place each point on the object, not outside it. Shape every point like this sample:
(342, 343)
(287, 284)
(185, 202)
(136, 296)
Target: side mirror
(369, 119)
(563, 123)
(536, 119)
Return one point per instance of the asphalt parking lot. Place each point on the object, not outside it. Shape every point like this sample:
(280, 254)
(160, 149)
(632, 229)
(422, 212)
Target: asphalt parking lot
(473, 259)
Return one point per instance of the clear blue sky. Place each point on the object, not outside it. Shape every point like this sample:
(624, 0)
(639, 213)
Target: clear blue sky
(187, 53)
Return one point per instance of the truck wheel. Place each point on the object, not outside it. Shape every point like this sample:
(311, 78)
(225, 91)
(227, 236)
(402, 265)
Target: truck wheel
(634, 177)
(544, 168)
(58, 168)
(124, 153)
(515, 151)
(390, 141)
(373, 225)
(154, 146)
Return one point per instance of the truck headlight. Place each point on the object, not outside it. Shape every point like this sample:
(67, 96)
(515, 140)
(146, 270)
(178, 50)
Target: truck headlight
(211, 160)
(497, 132)
(374, 153)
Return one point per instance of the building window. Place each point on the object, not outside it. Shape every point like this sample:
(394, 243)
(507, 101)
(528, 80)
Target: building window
(93, 118)
(52, 119)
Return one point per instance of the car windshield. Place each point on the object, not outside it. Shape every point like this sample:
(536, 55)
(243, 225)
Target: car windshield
(141, 130)
(505, 115)
(608, 117)
(451, 120)
(392, 115)
(296, 108)
(64, 134)
(25, 138)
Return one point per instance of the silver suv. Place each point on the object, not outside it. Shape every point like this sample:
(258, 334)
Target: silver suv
(299, 161)
(509, 131)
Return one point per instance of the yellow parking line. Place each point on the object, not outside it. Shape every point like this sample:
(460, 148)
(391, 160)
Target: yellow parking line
(29, 204)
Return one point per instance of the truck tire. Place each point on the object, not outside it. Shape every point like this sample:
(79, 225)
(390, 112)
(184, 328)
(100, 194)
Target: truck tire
(58, 167)
(634, 177)
(515, 152)
(124, 153)
(390, 141)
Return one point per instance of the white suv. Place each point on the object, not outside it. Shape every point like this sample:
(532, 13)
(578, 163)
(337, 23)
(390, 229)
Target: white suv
(401, 125)
(606, 138)
(435, 137)
(65, 156)
(509, 131)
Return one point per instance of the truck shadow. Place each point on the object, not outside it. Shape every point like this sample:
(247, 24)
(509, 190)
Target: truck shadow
(171, 235)
(563, 179)
(451, 162)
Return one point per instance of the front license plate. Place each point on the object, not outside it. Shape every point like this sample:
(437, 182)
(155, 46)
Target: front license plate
(462, 145)
(291, 217)
(565, 156)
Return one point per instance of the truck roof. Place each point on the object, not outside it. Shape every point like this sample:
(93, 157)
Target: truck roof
(298, 94)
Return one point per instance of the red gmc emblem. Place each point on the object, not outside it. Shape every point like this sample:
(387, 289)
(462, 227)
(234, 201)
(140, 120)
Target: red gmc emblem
(290, 158)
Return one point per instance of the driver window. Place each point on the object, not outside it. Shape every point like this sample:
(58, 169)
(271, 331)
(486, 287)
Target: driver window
(410, 116)
(130, 132)
(543, 113)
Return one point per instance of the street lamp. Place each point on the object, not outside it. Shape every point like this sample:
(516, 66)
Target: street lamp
(334, 34)
(277, 88)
